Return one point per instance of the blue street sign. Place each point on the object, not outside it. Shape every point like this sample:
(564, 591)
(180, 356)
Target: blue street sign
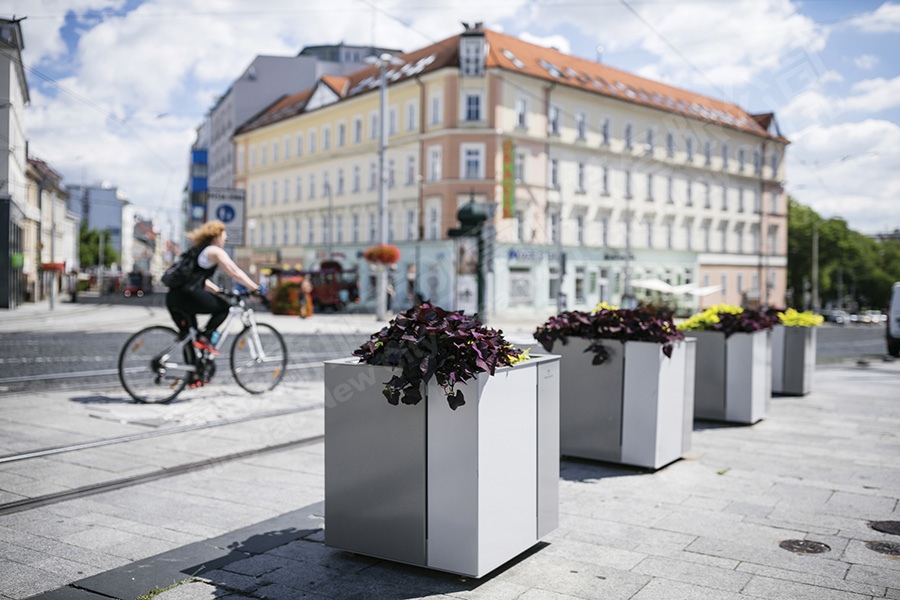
(225, 213)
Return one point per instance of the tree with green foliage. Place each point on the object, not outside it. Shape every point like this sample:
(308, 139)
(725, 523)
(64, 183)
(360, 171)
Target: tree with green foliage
(854, 269)
(89, 248)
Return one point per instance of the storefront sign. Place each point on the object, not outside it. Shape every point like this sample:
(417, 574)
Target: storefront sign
(509, 178)
(266, 256)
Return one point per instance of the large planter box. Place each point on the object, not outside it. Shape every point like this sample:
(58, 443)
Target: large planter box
(733, 380)
(461, 491)
(793, 359)
(636, 408)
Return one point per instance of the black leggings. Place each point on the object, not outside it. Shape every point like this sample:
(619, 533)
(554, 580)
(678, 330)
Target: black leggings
(184, 306)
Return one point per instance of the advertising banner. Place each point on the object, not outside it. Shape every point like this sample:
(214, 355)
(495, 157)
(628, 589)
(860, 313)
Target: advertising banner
(509, 178)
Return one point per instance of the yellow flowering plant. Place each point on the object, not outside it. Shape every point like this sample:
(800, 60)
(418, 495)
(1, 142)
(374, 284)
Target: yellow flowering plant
(793, 318)
(729, 319)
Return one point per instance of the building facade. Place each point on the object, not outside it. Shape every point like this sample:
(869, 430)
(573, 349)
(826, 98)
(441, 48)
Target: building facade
(104, 207)
(14, 211)
(616, 186)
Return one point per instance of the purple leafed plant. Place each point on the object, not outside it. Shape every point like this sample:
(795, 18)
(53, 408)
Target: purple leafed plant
(638, 325)
(428, 341)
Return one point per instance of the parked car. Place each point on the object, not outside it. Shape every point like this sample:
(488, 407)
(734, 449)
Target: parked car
(872, 317)
(838, 316)
(893, 323)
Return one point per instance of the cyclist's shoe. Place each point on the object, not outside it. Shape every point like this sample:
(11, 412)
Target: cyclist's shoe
(204, 344)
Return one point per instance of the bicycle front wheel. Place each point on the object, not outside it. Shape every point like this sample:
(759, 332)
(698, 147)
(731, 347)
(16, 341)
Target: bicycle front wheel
(141, 371)
(258, 358)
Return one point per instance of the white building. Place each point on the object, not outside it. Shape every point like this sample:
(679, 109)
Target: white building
(631, 180)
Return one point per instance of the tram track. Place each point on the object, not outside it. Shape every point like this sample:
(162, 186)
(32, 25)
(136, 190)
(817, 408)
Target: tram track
(44, 500)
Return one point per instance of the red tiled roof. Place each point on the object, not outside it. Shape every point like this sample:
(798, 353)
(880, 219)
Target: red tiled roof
(512, 54)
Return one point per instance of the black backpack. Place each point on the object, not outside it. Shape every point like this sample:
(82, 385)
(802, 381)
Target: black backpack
(182, 269)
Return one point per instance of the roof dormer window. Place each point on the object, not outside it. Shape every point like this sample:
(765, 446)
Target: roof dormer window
(471, 52)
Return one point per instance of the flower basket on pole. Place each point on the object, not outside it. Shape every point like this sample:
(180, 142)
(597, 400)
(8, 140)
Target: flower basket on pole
(384, 254)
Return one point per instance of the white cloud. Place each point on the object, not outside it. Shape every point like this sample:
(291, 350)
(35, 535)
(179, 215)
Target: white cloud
(849, 170)
(866, 62)
(885, 19)
(551, 41)
(813, 107)
(831, 76)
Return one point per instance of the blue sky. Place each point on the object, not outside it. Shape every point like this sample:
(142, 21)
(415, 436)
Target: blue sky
(118, 87)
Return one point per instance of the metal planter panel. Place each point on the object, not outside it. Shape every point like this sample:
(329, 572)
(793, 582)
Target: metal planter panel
(793, 360)
(653, 404)
(709, 378)
(374, 466)
(690, 370)
(548, 447)
(590, 402)
(748, 376)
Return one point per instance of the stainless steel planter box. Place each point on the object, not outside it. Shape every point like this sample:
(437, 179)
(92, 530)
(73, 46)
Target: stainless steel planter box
(461, 491)
(793, 359)
(733, 379)
(636, 408)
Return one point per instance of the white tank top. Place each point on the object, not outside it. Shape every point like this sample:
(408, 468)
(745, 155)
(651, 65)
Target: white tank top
(203, 261)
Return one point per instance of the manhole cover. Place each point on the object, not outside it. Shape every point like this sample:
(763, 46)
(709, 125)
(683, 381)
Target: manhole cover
(889, 548)
(892, 527)
(804, 546)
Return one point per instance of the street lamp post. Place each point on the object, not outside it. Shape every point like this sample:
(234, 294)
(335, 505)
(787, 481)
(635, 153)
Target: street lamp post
(381, 288)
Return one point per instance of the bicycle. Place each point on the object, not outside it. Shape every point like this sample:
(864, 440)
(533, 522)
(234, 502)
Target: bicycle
(157, 362)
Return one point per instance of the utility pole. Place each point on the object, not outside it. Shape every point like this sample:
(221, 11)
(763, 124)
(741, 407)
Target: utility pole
(100, 268)
(815, 268)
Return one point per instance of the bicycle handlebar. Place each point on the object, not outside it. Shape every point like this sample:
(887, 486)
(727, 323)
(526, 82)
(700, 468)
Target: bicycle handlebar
(240, 295)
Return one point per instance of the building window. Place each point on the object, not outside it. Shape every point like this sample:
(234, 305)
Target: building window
(341, 135)
(706, 238)
(437, 116)
(285, 229)
(670, 235)
(264, 154)
(262, 234)
(689, 199)
(472, 161)
(724, 155)
(434, 163)
(519, 226)
(390, 224)
(740, 283)
(739, 239)
(299, 145)
(649, 226)
(553, 227)
(688, 237)
(689, 148)
(742, 159)
(410, 170)
(410, 225)
(757, 161)
(373, 175)
(519, 167)
(340, 182)
(628, 184)
(605, 181)
(390, 174)
(553, 121)
(581, 126)
(629, 136)
(339, 229)
(296, 232)
(554, 173)
(604, 230)
(357, 130)
(326, 138)
(392, 121)
(649, 141)
(707, 152)
(262, 194)
(298, 189)
(356, 178)
(757, 202)
(252, 156)
(433, 224)
(670, 144)
(275, 151)
(604, 131)
(553, 281)
(521, 112)
(579, 284)
(773, 239)
(310, 231)
(287, 147)
(472, 106)
(724, 197)
(773, 199)
(286, 191)
(373, 126)
(741, 199)
(579, 230)
(312, 142)
(354, 228)
(707, 195)
(581, 187)
(649, 187)
(723, 235)
(723, 281)
(670, 191)
(326, 184)
(411, 120)
(372, 228)
(312, 187)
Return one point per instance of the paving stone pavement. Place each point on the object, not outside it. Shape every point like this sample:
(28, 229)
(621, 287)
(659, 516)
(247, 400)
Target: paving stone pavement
(819, 468)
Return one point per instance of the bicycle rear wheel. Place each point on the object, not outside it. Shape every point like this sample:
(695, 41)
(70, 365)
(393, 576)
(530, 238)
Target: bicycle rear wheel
(140, 371)
(258, 361)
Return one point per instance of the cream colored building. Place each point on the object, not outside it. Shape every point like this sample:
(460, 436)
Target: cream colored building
(632, 180)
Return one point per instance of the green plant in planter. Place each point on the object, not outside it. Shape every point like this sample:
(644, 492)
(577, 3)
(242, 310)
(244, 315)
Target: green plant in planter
(793, 318)
(427, 341)
(729, 319)
(608, 323)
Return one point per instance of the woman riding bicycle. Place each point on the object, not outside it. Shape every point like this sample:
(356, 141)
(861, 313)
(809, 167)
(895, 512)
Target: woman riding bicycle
(198, 294)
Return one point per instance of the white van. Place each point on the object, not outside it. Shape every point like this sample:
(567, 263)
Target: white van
(893, 324)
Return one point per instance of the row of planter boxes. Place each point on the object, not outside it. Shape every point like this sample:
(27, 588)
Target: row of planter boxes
(465, 491)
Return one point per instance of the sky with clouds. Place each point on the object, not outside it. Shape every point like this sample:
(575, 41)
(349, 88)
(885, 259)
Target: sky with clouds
(118, 87)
